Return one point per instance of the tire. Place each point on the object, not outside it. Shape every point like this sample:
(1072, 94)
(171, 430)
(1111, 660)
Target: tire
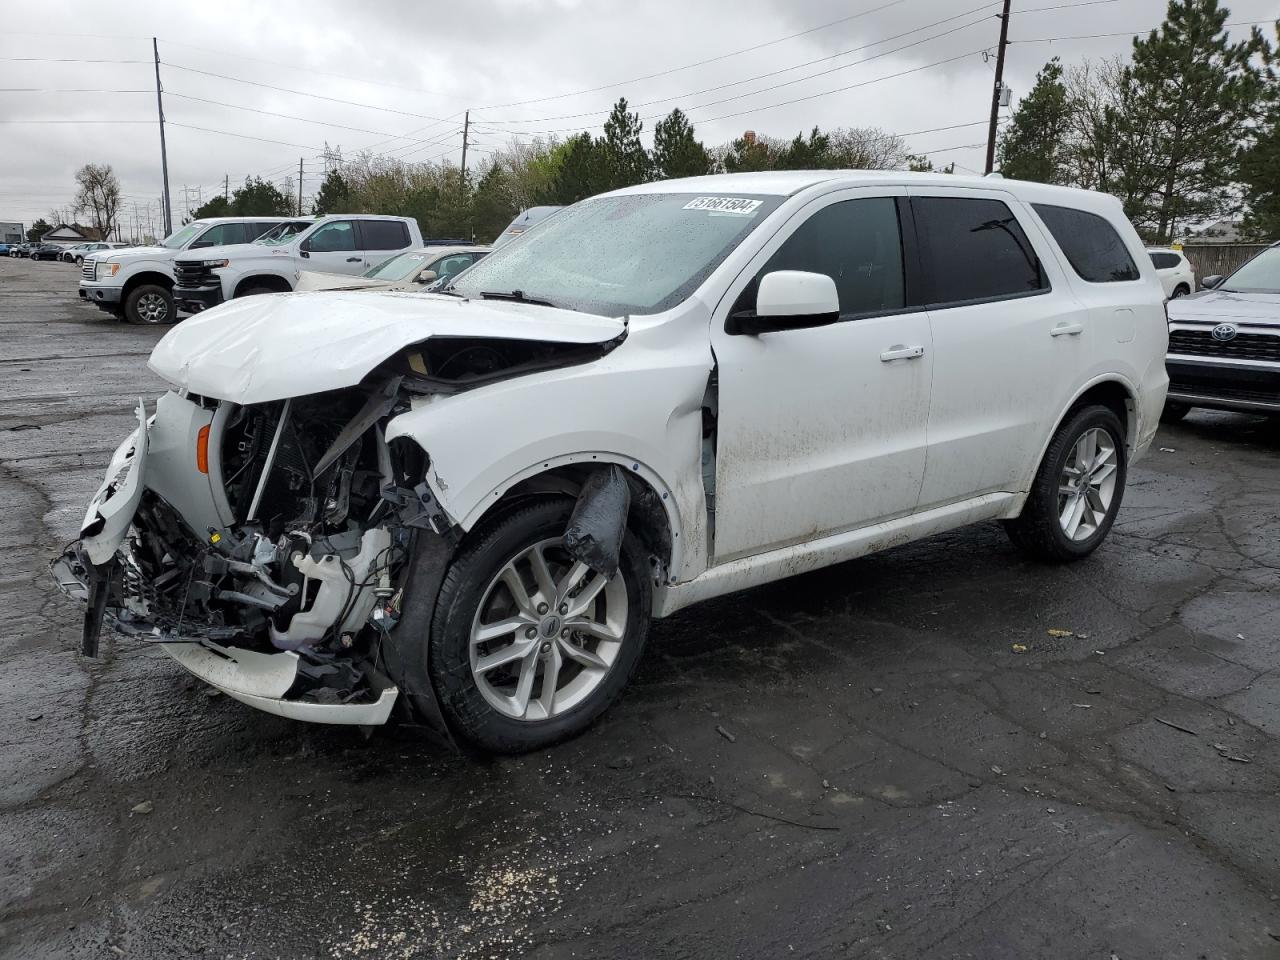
(149, 304)
(1173, 412)
(1040, 530)
(79, 261)
(472, 580)
(1181, 290)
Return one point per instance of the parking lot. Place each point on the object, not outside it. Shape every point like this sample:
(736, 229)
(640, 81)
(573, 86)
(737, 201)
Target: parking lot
(939, 751)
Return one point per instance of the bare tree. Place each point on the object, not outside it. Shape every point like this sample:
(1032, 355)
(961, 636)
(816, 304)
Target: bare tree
(98, 196)
(868, 148)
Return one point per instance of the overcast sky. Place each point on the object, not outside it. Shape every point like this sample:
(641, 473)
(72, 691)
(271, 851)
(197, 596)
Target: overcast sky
(410, 69)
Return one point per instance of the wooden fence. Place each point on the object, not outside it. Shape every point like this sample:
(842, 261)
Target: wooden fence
(1208, 259)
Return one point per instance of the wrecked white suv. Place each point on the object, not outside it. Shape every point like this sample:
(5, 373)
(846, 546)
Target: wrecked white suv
(465, 508)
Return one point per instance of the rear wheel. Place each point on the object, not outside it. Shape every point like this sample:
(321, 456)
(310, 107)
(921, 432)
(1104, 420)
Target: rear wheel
(149, 303)
(529, 645)
(1077, 490)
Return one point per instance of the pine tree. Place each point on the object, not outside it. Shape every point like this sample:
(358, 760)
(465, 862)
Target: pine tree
(1184, 103)
(581, 170)
(1035, 144)
(491, 205)
(748, 154)
(802, 154)
(676, 151)
(334, 195)
(1259, 163)
(625, 159)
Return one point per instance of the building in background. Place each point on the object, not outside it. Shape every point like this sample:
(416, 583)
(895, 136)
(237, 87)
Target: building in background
(11, 232)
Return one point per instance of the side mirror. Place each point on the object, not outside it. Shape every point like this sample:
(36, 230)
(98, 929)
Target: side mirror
(304, 248)
(1212, 282)
(427, 276)
(788, 300)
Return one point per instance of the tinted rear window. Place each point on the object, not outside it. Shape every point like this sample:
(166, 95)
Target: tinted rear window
(974, 249)
(384, 234)
(1165, 261)
(1092, 246)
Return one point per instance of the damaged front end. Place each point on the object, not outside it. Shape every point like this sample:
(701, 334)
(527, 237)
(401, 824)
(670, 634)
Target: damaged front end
(266, 546)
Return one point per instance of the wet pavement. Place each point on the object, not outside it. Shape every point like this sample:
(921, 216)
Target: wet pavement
(859, 762)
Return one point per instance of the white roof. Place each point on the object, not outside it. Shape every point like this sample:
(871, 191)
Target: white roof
(787, 182)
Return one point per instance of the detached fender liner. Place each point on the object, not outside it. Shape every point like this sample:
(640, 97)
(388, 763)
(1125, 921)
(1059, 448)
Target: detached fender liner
(599, 520)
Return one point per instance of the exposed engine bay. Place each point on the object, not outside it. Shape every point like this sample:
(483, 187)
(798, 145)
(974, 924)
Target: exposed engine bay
(317, 514)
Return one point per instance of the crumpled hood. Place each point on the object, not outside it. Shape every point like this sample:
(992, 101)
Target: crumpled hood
(273, 346)
(1216, 306)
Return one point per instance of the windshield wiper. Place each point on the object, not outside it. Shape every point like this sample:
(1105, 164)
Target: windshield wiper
(516, 296)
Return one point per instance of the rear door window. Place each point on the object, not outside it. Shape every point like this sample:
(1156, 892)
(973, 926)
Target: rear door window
(384, 234)
(858, 244)
(972, 250)
(1092, 246)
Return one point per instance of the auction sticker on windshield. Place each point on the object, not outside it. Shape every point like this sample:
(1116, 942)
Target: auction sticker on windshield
(736, 205)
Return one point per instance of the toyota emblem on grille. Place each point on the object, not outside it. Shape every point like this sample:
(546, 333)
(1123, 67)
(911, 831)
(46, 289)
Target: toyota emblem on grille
(1224, 332)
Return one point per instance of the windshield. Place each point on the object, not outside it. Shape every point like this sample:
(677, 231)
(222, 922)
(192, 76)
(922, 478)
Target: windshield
(283, 233)
(399, 267)
(1259, 275)
(181, 237)
(631, 254)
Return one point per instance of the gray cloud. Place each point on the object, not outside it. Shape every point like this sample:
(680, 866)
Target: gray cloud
(430, 61)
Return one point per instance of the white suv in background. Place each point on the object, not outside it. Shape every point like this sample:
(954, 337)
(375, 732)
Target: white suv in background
(469, 505)
(136, 284)
(341, 243)
(1174, 271)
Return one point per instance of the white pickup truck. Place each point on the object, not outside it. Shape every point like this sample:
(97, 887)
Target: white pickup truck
(137, 284)
(340, 243)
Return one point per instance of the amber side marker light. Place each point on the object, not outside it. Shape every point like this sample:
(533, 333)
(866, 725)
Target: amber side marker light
(202, 450)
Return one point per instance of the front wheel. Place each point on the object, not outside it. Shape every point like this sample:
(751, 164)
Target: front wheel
(149, 304)
(1181, 290)
(528, 645)
(1077, 490)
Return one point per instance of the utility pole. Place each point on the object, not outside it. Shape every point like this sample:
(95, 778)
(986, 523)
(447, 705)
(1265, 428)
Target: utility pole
(164, 155)
(997, 88)
(466, 129)
(300, 184)
(226, 187)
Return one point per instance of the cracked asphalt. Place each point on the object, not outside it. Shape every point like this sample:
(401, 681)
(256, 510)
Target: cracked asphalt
(854, 763)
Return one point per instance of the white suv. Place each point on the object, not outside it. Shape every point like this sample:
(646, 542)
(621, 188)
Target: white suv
(469, 505)
(341, 243)
(136, 284)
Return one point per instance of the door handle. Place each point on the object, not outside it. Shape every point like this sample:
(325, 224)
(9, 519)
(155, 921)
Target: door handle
(900, 352)
(354, 259)
(1067, 329)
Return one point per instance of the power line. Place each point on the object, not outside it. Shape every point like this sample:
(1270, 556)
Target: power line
(67, 90)
(63, 60)
(242, 136)
(303, 93)
(287, 116)
(322, 73)
(21, 120)
(697, 63)
(1130, 33)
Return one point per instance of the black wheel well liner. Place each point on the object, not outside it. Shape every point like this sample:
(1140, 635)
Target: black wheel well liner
(270, 280)
(1113, 395)
(147, 276)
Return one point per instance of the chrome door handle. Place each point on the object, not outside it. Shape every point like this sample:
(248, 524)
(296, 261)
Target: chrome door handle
(900, 352)
(1067, 329)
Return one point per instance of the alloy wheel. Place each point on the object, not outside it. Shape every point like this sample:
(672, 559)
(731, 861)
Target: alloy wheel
(152, 308)
(1087, 485)
(547, 632)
